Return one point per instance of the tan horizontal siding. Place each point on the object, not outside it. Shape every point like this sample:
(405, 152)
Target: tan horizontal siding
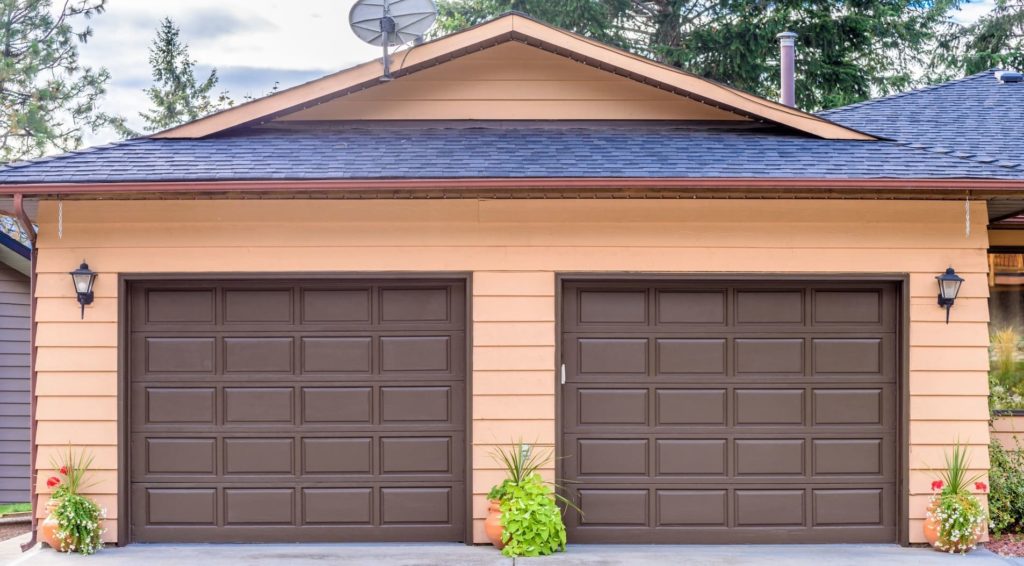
(508, 82)
(514, 248)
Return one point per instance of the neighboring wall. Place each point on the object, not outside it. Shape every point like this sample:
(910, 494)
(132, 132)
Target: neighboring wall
(1006, 427)
(514, 248)
(14, 383)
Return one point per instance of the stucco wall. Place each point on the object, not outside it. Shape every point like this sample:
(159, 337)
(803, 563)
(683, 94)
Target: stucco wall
(514, 248)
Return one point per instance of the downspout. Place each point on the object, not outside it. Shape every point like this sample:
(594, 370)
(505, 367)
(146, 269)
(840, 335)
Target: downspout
(26, 226)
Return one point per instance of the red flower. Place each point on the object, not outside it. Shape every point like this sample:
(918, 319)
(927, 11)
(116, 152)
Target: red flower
(64, 470)
(937, 485)
(981, 486)
(52, 482)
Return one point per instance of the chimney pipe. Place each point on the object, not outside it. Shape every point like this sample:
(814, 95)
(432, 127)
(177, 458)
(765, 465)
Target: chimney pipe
(787, 44)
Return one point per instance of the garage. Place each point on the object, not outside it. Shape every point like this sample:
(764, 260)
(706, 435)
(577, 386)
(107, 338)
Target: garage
(744, 411)
(282, 410)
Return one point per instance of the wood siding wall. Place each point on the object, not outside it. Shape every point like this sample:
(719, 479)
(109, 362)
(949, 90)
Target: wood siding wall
(514, 248)
(14, 385)
(513, 81)
(1008, 430)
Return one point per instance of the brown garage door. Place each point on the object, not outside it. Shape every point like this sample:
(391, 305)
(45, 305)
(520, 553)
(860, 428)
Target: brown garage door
(704, 412)
(298, 411)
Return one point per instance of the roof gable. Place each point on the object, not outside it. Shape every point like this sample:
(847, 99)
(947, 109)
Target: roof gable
(512, 81)
(514, 27)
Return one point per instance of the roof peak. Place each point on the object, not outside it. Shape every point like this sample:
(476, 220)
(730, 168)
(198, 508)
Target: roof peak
(523, 29)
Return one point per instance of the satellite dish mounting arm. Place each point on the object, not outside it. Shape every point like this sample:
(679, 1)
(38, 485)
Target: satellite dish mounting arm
(388, 28)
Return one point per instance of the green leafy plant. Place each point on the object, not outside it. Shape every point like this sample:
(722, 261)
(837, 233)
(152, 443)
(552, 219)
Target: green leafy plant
(530, 516)
(1006, 494)
(79, 519)
(959, 514)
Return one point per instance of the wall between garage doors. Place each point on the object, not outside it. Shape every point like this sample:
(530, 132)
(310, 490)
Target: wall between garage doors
(514, 248)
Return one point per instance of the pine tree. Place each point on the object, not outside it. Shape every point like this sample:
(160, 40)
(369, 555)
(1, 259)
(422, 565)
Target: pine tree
(995, 40)
(48, 101)
(847, 51)
(177, 96)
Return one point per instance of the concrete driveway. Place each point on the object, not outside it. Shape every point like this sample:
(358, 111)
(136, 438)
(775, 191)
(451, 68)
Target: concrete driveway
(455, 554)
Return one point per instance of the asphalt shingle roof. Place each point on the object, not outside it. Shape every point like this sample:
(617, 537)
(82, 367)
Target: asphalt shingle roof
(495, 150)
(976, 118)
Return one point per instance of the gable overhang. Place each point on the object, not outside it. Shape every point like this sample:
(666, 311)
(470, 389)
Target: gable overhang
(520, 28)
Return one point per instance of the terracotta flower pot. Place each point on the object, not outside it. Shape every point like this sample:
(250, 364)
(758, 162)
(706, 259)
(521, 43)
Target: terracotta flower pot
(49, 527)
(492, 525)
(931, 525)
(931, 531)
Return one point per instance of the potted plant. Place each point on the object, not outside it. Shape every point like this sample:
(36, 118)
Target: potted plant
(524, 519)
(955, 519)
(74, 523)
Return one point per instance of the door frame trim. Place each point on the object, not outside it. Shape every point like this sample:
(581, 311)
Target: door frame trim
(902, 280)
(124, 284)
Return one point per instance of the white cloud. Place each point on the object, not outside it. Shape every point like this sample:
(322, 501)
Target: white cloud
(252, 43)
(971, 11)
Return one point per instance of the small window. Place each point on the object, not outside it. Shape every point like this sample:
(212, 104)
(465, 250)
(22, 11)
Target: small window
(1006, 330)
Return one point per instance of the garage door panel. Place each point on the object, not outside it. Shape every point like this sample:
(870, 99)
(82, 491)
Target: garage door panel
(769, 407)
(253, 506)
(691, 407)
(769, 307)
(606, 507)
(416, 354)
(258, 305)
(259, 456)
(175, 456)
(172, 355)
(690, 307)
(337, 456)
(337, 506)
(730, 412)
(609, 407)
(342, 354)
(337, 405)
(178, 506)
(162, 406)
(770, 457)
(336, 305)
(173, 306)
(692, 457)
(840, 507)
(259, 355)
(770, 507)
(259, 405)
(613, 457)
(612, 356)
(416, 404)
(319, 411)
(691, 356)
(849, 406)
(692, 507)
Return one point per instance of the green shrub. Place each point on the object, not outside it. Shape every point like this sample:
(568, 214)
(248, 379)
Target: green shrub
(1006, 489)
(532, 521)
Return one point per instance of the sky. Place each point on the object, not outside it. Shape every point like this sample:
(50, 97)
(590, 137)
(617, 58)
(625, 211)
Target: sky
(251, 43)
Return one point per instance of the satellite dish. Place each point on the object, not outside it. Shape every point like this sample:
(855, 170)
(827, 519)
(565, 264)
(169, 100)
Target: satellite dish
(390, 23)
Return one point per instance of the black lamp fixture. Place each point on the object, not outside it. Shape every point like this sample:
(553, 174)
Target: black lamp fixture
(949, 288)
(83, 278)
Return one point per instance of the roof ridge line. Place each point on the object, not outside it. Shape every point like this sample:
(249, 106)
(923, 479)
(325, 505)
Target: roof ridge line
(920, 90)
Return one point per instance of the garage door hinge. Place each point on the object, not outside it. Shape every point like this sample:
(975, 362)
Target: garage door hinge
(563, 374)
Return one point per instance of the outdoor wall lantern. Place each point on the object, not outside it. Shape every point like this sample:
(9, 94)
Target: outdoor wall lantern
(83, 278)
(949, 288)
